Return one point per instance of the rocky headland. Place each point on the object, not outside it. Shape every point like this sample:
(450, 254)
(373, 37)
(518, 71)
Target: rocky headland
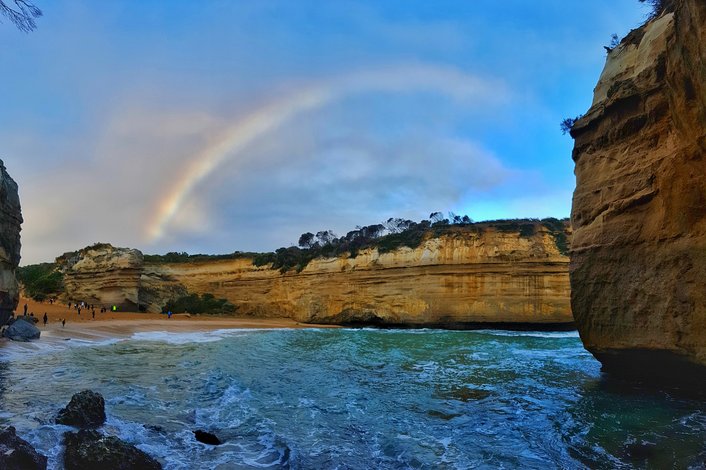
(504, 274)
(103, 274)
(638, 259)
(10, 226)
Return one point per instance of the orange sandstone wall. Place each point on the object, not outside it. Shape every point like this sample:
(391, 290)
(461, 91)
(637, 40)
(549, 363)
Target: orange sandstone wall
(454, 280)
(638, 261)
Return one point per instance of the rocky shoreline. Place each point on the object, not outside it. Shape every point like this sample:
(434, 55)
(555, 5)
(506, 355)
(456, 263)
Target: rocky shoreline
(87, 447)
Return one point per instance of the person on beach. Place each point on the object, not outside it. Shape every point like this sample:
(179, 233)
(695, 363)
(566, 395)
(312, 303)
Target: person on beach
(169, 314)
(25, 309)
(69, 305)
(63, 322)
(46, 318)
(93, 314)
(79, 311)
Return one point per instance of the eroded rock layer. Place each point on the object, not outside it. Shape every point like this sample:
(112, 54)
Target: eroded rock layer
(10, 226)
(104, 275)
(638, 262)
(456, 280)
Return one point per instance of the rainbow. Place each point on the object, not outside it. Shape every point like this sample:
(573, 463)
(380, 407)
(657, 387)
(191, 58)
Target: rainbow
(268, 118)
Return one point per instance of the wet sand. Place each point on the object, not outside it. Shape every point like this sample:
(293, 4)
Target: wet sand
(120, 325)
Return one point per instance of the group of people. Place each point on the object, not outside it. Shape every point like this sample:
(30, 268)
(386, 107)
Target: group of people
(83, 305)
(78, 306)
(45, 318)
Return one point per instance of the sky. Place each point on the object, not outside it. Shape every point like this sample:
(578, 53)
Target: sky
(211, 127)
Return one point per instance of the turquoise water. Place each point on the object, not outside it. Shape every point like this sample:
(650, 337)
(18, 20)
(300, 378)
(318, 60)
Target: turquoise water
(358, 399)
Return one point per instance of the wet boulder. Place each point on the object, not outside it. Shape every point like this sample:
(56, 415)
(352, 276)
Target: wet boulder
(21, 330)
(18, 454)
(88, 449)
(85, 410)
(31, 319)
(207, 438)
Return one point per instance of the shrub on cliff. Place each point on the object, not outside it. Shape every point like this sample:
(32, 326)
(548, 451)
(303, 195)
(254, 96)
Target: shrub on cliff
(184, 257)
(657, 7)
(568, 123)
(398, 233)
(41, 281)
(195, 303)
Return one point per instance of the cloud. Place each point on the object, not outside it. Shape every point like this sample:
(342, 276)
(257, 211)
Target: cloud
(301, 116)
(268, 118)
(301, 181)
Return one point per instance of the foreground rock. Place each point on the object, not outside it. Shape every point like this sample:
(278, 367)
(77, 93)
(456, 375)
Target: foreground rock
(22, 330)
(10, 226)
(207, 438)
(18, 454)
(85, 410)
(88, 449)
(638, 260)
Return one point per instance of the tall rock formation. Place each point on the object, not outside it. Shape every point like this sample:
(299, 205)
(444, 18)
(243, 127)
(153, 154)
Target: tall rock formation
(10, 226)
(638, 261)
(103, 274)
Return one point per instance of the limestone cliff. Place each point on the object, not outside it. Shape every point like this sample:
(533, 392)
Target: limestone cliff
(102, 274)
(10, 226)
(466, 277)
(638, 260)
(460, 279)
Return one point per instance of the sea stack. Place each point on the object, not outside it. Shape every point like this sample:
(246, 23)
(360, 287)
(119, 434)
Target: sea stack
(10, 226)
(638, 259)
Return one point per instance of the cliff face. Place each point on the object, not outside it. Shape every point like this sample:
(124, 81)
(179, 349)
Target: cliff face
(10, 226)
(455, 280)
(104, 275)
(638, 260)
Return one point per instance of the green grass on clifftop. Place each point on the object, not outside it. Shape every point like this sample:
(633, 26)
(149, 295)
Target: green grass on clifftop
(41, 281)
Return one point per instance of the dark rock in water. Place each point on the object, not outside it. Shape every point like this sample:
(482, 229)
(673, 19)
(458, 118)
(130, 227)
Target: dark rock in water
(18, 454)
(155, 428)
(22, 331)
(442, 415)
(207, 438)
(465, 394)
(640, 451)
(85, 410)
(88, 449)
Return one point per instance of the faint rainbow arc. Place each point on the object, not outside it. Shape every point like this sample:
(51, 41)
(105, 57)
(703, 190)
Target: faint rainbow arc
(269, 117)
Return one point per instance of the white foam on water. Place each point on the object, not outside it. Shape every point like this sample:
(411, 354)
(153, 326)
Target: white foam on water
(61, 340)
(12, 350)
(531, 334)
(195, 336)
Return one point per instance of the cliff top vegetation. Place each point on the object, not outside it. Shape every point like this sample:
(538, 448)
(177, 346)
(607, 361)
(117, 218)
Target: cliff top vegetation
(386, 237)
(43, 280)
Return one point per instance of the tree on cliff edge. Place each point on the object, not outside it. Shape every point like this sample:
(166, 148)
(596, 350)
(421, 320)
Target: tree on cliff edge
(657, 6)
(21, 13)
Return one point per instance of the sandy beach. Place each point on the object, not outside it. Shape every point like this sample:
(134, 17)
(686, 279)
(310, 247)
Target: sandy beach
(118, 325)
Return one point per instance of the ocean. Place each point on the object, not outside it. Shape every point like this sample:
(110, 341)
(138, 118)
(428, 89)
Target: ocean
(355, 399)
